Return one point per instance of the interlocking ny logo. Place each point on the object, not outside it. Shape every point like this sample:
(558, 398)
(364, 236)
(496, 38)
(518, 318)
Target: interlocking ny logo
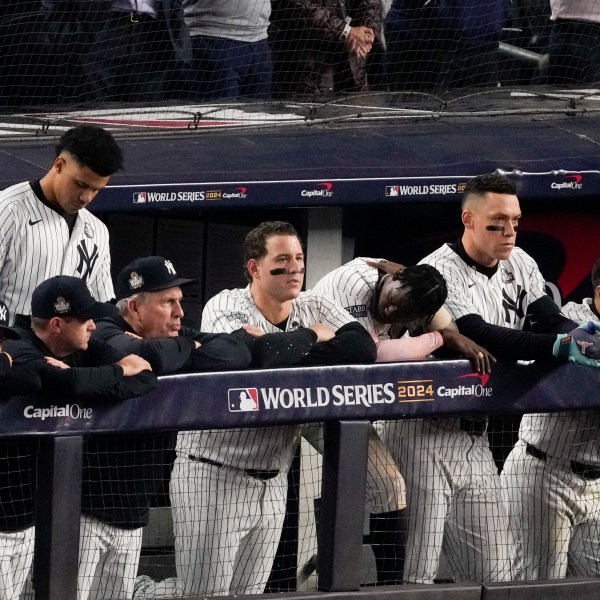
(170, 267)
(3, 313)
(515, 306)
(87, 258)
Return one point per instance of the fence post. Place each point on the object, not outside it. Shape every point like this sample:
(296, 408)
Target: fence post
(57, 518)
(342, 505)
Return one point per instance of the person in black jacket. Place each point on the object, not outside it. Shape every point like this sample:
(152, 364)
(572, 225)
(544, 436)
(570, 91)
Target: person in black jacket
(149, 323)
(16, 455)
(71, 363)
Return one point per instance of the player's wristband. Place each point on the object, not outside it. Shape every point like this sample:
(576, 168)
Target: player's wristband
(562, 346)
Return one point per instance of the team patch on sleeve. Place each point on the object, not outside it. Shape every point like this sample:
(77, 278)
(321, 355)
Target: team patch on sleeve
(357, 311)
(237, 316)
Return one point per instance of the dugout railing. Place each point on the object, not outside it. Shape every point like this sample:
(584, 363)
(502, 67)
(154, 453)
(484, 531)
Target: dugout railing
(336, 395)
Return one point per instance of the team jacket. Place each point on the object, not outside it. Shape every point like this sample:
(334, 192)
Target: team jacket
(17, 456)
(121, 473)
(218, 352)
(35, 244)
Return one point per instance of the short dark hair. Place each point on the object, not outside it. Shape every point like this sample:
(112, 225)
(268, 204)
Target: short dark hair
(255, 244)
(492, 182)
(92, 147)
(596, 273)
(428, 290)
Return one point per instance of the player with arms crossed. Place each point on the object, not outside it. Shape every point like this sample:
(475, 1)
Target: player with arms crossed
(552, 480)
(453, 487)
(383, 295)
(229, 487)
(45, 228)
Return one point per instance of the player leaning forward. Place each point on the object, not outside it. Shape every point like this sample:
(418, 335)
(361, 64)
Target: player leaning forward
(45, 228)
(229, 487)
(552, 481)
(495, 291)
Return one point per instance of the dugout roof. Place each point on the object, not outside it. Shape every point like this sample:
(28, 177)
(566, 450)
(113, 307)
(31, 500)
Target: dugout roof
(377, 151)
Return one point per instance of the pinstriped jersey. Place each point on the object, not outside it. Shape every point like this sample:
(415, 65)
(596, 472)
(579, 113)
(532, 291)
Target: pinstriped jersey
(230, 309)
(353, 286)
(35, 244)
(571, 435)
(501, 299)
(265, 447)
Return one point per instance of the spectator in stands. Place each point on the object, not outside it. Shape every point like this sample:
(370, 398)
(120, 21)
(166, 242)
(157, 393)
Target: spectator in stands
(445, 44)
(231, 53)
(552, 482)
(45, 228)
(229, 487)
(574, 45)
(129, 48)
(324, 46)
(59, 347)
(495, 291)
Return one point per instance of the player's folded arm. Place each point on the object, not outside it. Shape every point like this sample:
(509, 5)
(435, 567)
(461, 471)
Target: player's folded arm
(273, 350)
(217, 352)
(351, 345)
(544, 316)
(505, 343)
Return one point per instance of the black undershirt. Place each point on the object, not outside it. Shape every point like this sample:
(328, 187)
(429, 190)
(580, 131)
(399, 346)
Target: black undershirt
(69, 218)
(503, 342)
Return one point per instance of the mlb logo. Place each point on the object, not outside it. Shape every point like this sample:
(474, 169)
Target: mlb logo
(140, 197)
(242, 399)
(391, 190)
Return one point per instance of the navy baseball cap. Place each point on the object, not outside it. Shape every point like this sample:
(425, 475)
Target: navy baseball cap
(148, 274)
(66, 296)
(5, 331)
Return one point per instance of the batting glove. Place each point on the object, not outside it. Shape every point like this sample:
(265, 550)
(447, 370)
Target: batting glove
(581, 346)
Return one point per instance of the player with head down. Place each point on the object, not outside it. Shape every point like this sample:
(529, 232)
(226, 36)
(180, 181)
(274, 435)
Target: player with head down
(45, 227)
(229, 487)
(390, 300)
(552, 478)
(495, 292)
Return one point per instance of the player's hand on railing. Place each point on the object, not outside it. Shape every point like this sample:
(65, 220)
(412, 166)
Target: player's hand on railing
(253, 330)
(482, 360)
(54, 362)
(581, 346)
(324, 333)
(133, 364)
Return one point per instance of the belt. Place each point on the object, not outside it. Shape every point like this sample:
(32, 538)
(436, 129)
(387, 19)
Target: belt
(262, 474)
(581, 469)
(475, 427)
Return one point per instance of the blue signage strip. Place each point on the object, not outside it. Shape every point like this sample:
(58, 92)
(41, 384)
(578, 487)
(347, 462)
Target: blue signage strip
(182, 197)
(283, 396)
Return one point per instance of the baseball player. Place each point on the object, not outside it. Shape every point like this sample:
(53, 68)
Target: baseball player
(552, 481)
(60, 348)
(453, 487)
(229, 487)
(45, 229)
(380, 294)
